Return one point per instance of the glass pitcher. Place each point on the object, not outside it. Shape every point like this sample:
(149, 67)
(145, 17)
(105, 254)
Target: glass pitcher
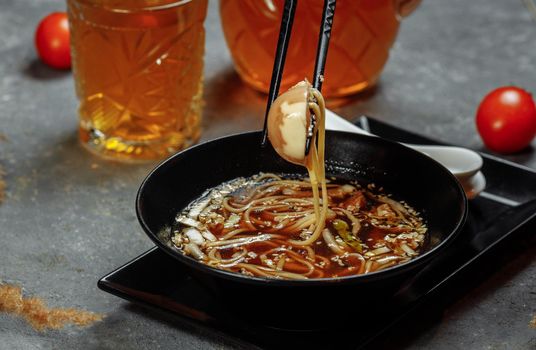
(363, 33)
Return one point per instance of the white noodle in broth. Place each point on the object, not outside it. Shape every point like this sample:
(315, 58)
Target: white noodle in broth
(260, 223)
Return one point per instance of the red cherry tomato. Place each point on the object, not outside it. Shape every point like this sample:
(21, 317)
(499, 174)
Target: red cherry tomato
(52, 40)
(506, 119)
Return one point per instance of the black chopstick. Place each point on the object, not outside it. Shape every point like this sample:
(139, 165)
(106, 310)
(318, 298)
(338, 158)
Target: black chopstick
(320, 63)
(279, 62)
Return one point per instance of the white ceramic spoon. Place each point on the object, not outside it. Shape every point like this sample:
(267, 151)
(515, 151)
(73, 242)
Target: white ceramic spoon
(461, 162)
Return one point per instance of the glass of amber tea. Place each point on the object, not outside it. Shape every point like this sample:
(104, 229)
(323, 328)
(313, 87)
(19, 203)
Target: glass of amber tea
(363, 32)
(138, 69)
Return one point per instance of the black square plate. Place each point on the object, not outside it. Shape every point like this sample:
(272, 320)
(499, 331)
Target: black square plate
(500, 218)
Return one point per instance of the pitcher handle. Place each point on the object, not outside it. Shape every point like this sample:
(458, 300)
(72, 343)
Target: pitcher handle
(406, 7)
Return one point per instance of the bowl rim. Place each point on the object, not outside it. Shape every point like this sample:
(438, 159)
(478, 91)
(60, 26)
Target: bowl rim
(264, 281)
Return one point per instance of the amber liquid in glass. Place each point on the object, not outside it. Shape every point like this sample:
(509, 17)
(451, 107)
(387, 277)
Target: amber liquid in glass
(138, 68)
(363, 32)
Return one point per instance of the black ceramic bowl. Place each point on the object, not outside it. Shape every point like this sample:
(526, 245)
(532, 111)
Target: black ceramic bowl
(407, 174)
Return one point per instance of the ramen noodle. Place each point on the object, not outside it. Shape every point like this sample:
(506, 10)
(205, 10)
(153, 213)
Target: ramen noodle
(256, 226)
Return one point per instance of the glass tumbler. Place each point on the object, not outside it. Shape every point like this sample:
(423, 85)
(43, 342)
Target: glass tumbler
(138, 70)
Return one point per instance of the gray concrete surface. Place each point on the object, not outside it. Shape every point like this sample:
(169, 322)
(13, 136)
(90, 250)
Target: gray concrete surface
(69, 217)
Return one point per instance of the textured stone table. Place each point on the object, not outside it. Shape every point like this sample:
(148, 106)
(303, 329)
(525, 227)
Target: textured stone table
(69, 217)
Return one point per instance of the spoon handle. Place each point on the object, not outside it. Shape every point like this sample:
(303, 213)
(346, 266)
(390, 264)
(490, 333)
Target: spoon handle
(285, 31)
(334, 122)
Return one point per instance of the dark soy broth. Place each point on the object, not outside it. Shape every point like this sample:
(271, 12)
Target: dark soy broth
(256, 226)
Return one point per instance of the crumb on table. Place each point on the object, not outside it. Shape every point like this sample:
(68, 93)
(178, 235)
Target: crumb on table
(35, 311)
(2, 185)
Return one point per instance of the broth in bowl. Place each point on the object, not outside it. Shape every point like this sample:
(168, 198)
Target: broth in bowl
(262, 226)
